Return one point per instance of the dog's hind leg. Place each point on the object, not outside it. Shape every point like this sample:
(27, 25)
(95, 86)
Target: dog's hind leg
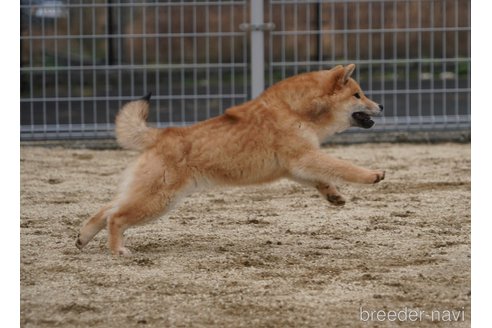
(139, 209)
(153, 188)
(92, 226)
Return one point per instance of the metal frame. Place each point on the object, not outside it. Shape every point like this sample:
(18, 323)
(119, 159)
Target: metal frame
(81, 60)
(424, 84)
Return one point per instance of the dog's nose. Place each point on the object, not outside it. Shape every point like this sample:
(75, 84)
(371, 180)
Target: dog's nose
(381, 107)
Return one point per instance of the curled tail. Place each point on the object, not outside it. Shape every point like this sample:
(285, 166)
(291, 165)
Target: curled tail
(131, 129)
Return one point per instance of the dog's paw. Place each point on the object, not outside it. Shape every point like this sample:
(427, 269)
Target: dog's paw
(78, 243)
(336, 200)
(122, 251)
(374, 176)
(378, 176)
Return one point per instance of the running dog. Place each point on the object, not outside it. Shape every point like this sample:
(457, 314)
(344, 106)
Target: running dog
(277, 135)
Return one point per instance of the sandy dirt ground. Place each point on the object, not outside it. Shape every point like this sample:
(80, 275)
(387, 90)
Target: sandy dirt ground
(274, 255)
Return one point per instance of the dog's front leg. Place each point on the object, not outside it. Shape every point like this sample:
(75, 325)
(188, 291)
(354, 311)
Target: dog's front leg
(316, 166)
(328, 190)
(331, 193)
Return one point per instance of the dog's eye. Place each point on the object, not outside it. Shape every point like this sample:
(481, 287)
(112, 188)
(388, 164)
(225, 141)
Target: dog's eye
(357, 95)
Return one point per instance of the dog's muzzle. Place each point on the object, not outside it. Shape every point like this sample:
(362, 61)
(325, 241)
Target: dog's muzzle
(362, 120)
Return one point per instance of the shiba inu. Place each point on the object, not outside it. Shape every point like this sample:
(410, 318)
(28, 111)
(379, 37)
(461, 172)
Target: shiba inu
(277, 135)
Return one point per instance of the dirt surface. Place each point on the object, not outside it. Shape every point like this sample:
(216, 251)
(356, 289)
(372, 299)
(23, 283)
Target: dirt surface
(275, 255)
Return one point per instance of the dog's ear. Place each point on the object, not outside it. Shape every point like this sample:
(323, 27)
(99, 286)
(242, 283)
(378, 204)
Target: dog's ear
(349, 69)
(342, 74)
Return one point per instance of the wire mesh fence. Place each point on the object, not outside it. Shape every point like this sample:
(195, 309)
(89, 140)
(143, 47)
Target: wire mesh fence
(81, 60)
(412, 56)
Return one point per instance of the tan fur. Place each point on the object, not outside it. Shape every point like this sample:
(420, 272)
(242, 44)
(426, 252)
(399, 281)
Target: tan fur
(277, 135)
(131, 130)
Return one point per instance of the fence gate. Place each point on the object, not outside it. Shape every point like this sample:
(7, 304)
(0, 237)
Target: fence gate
(81, 60)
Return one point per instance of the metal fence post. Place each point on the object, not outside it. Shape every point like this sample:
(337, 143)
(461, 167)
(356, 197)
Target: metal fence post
(257, 49)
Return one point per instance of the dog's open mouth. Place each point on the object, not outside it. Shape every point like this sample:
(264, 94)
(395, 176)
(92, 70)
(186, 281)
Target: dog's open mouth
(363, 120)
